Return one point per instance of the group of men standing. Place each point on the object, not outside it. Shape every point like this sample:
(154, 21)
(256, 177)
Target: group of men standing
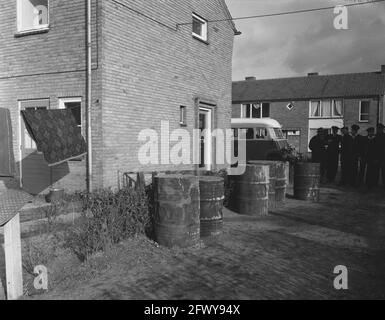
(362, 157)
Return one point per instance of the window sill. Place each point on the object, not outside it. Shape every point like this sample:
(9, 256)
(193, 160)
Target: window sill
(200, 39)
(19, 34)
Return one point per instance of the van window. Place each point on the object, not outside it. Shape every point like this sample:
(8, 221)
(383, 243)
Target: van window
(278, 133)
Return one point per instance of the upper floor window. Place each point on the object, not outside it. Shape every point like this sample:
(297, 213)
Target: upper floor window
(199, 27)
(255, 111)
(32, 15)
(326, 109)
(364, 111)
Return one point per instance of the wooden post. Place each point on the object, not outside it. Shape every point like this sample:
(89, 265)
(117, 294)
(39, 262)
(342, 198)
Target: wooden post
(13, 265)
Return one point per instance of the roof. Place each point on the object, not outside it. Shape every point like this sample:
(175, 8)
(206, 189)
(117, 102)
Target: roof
(229, 17)
(251, 123)
(315, 86)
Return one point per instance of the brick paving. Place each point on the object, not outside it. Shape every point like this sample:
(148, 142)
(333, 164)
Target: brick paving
(291, 254)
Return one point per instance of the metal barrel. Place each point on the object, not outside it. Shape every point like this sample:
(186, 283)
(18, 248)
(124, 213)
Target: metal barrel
(251, 191)
(212, 195)
(307, 181)
(272, 179)
(176, 220)
(280, 183)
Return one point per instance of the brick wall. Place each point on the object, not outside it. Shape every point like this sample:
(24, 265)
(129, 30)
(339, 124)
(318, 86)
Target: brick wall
(48, 65)
(150, 70)
(298, 117)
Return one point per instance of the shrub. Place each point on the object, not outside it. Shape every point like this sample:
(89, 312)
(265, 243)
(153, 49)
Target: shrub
(108, 218)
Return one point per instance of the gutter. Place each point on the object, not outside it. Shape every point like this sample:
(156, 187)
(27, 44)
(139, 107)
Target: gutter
(89, 97)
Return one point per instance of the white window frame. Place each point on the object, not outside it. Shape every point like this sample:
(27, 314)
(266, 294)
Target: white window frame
(19, 15)
(322, 111)
(63, 101)
(205, 28)
(360, 111)
(244, 107)
(183, 116)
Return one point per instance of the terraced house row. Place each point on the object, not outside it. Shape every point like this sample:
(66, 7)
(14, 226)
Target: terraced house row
(120, 66)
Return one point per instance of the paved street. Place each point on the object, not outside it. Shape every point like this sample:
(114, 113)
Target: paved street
(289, 255)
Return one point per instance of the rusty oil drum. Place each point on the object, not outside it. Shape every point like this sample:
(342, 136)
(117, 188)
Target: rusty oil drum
(251, 191)
(307, 181)
(280, 183)
(272, 179)
(176, 221)
(212, 195)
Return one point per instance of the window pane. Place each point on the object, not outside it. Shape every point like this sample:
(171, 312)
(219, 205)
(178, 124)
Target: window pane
(256, 111)
(33, 14)
(197, 27)
(326, 109)
(365, 106)
(248, 111)
(315, 109)
(265, 110)
(75, 107)
(337, 108)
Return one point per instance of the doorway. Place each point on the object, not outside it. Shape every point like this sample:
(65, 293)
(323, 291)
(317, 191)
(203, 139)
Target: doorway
(205, 128)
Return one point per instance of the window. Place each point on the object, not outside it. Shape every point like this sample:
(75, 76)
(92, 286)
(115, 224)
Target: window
(182, 119)
(199, 27)
(32, 15)
(364, 111)
(27, 142)
(255, 111)
(337, 109)
(326, 109)
(75, 105)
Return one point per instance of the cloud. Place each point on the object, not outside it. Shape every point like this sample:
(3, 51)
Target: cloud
(296, 44)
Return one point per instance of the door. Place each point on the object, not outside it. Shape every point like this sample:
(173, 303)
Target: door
(205, 127)
(35, 175)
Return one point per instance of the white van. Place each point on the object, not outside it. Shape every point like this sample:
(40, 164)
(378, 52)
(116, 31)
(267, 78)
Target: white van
(264, 137)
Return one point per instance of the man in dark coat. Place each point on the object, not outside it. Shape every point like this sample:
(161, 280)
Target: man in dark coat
(371, 156)
(380, 146)
(358, 162)
(346, 156)
(333, 151)
(317, 146)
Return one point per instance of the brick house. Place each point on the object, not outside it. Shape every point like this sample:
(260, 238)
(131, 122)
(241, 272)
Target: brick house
(303, 104)
(150, 61)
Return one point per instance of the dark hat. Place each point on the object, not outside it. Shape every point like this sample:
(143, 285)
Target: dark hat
(320, 129)
(371, 129)
(380, 125)
(335, 128)
(355, 127)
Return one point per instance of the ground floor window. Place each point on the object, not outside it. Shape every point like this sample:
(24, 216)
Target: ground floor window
(75, 105)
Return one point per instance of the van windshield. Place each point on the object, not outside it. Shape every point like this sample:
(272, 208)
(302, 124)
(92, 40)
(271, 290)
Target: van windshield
(278, 133)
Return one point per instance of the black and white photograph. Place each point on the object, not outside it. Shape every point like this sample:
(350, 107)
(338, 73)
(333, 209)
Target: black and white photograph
(192, 155)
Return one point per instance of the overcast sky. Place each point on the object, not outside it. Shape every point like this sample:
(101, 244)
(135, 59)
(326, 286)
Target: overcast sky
(294, 45)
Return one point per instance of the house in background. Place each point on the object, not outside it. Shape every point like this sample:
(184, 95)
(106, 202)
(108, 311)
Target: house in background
(149, 61)
(304, 104)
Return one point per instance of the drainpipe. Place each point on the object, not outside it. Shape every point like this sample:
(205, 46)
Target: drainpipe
(89, 98)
